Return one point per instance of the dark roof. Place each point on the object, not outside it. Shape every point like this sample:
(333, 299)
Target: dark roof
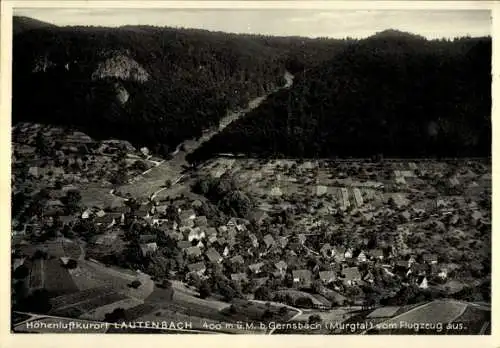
(238, 277)
(195, 267)
(193, 251)
(351, 273)
(237, 259)
(213, 255)
(327, 275)
(303, 274)
(146, 238)
(376, 253)
(186, 214)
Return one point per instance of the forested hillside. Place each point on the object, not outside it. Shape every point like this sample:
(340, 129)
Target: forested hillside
(394, 94)
(149, 85)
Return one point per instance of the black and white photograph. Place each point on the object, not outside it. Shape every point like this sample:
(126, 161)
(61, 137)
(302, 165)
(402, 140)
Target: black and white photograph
(251, 171)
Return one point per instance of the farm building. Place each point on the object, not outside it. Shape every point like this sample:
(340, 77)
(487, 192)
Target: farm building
(239, 277)
(327, 276)
(302, 279)
(383, 312)
(148, 248)
(256, 267)
(344, 198)
(321, 190)
(198, 268)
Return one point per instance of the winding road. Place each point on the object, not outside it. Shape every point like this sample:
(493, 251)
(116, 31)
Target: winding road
(175, 167)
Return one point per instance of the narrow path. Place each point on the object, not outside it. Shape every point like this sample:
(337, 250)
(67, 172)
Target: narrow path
(178, 163)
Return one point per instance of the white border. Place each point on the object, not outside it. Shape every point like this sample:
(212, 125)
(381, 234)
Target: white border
(75, 340)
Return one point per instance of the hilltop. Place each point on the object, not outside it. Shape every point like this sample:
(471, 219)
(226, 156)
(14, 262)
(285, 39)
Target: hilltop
(21, 24)
(393, 94)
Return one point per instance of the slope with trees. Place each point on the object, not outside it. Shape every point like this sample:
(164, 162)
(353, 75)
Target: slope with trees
(152, 86)
(394, 93)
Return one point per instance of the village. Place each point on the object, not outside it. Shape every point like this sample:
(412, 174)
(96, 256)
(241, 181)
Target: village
(316, 235)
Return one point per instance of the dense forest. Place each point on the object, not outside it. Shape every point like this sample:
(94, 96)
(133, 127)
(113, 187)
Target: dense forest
(393, 94)
(152, 86)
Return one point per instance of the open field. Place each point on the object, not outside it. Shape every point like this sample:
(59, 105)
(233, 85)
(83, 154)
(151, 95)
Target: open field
(296, 294)
(36, 278)
(59, 281)
(100, 312)
(81, 296)
(147, 184)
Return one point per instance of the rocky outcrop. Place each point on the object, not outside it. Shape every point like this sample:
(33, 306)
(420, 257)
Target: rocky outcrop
(122, 67)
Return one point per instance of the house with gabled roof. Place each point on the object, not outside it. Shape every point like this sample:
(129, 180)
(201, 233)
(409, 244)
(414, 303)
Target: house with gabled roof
(259, 217)
(339, 254)
(106, 221)
(200, 221)
(144, 211)
(188, 214)
(254, 240)
(241, 228)
(361, 257)
(239, 277)
(196, 234)
(211, 239)
(327, 277)
(282, 242)
(198, 268)
(222, 230)
(193, 251)
(238, 259)
(351, 275)
(376, 254)
(269, 241)
(211, 231)
(147, 238)
(327, 251)
(302, 238)
(232, 222)
(256, 267)
(422, 282)
(281, 266)
(302, 279)
(148, 248)
(348, 253)
(369, 277)
(213, 256)
(430, 258)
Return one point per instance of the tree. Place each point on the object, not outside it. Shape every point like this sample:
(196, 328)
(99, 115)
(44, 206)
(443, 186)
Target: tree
(314, 319)
(21, 272)
(204, 290)
(73, 199)
(42, 144)
(263, 293)
(168, 183)
(117, 315)
(135, 284)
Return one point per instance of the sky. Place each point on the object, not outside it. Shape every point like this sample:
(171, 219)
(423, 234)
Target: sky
(309, 23)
